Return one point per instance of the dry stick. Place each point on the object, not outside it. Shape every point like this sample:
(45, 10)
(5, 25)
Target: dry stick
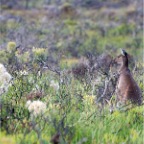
(105, 90)
(134, 69)
(50, 68)
(106, 86)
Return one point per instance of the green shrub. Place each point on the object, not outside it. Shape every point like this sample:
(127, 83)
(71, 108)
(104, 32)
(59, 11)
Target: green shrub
(39, 54)
(11, 47)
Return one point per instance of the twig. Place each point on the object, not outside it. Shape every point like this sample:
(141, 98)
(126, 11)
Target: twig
(105, 89)
(51, 69)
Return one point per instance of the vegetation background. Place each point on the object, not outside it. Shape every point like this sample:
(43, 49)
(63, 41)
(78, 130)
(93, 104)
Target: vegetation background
(40, 42)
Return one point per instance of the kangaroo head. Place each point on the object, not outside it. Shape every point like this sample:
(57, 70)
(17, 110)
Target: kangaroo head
(122, 59)
(120, 62)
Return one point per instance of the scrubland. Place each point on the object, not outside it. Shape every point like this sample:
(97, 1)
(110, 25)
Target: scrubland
(41, 99)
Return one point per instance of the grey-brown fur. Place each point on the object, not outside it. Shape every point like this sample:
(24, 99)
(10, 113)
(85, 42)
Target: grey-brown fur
(127, 88)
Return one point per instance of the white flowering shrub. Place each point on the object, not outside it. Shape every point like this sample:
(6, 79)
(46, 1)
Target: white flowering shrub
(22, 73)
(5, 79)
(2, 69)
(36, 107)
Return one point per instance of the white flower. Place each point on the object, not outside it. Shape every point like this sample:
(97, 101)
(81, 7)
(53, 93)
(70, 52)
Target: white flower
(54, 85)
(28, 103)
(2, 69)
(23, 73)
(5, 79)
(36, 107)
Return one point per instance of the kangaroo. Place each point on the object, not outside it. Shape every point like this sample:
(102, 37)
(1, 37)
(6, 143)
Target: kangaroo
(126, 87)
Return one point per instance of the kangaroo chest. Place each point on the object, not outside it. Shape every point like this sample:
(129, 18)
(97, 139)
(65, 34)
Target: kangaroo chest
(123, 82)
(126, 83)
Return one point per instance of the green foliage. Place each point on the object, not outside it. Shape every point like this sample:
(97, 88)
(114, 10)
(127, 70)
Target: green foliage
(11, 47)
(123, 29)
(5, 139)
(3, 57)
(12, 24)
(39, 54)
(24, 58)
(3, 28)
(70, 111)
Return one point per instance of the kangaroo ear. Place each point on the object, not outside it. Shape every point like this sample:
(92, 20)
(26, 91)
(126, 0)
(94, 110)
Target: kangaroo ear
(123, 52)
